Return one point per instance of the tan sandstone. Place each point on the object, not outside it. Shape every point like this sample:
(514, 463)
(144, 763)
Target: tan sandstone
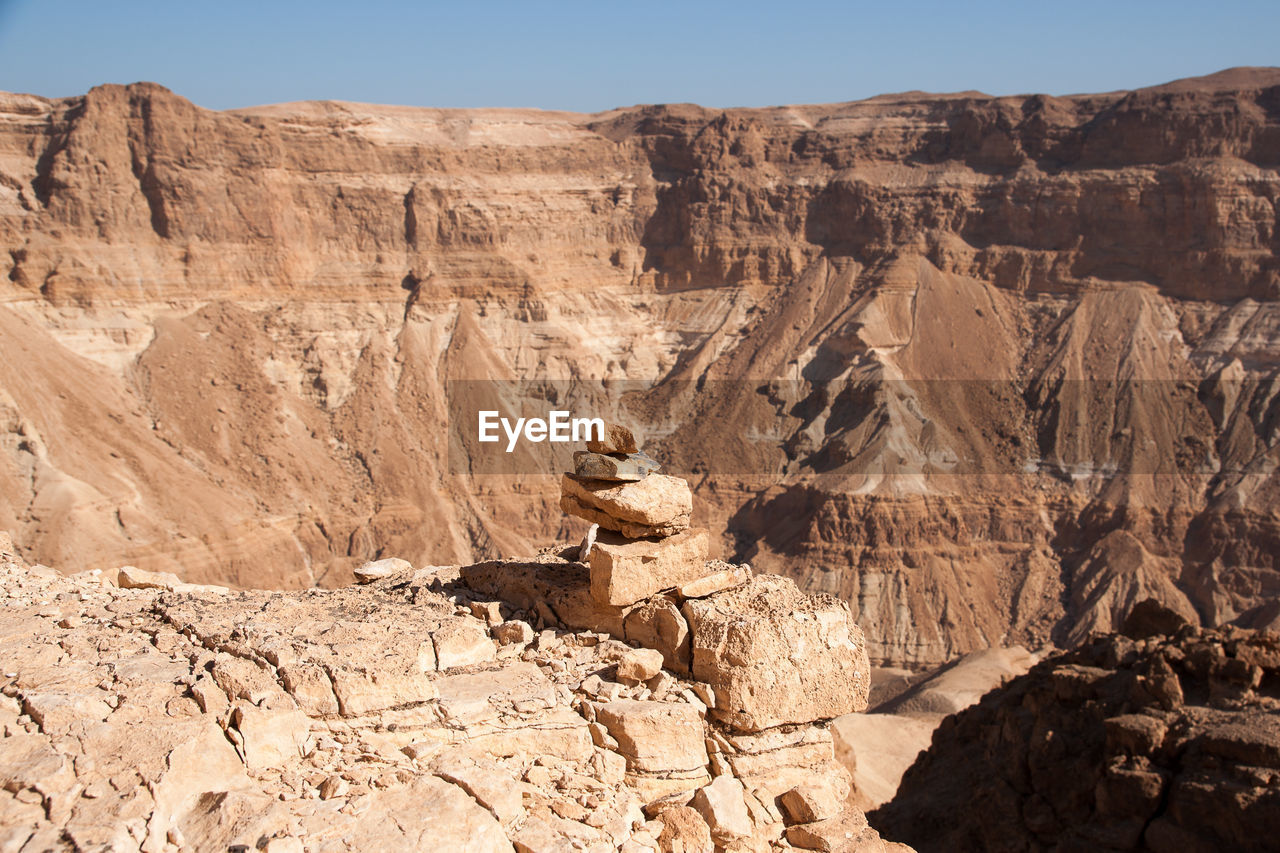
(625, 571)
(773, 655)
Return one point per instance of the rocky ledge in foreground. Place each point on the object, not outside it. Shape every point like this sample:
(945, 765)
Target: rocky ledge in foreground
(1165, 737)
(501, 706)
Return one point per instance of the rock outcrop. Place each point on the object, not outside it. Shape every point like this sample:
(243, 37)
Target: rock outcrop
(989, 369)
(416, 710)
(1164, 739)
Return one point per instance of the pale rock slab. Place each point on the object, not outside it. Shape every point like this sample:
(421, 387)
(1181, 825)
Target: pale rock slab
(132, 577)
(774, 761)
(657, 623)
(272, 738)
(723, 806)
(487, 783)
(775, 656)
(376, 570)
(513, 633)
(809, 803)
(655, 736)
(310, 687)
(444, 817)
(848, 832)
(658, 505)
(462, 643)
(684, 831)
(627, 571)
(361, 689)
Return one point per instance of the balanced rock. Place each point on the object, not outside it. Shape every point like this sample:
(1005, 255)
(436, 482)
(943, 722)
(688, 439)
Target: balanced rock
(774, 655)
(658, 505)
(624, 571)
(616, 467)
(614, 439)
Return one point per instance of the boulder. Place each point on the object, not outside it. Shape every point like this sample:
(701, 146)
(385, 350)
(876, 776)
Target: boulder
(723, 806)
(657, 623)
(809, 803)
(625, 571)
(379, 569)
(658, 505)
(639, 665)
(773, 655)
(655, 736)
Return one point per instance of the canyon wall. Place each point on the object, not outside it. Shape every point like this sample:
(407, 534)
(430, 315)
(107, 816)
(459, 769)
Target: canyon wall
(990, 369)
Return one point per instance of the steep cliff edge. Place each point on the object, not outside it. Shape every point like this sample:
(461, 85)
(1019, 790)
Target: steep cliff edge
(996, 368)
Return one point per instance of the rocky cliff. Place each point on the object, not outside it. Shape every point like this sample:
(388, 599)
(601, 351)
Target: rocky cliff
(990, 369)
(1162, 738)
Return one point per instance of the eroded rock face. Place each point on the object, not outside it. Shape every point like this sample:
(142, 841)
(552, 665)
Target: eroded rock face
(782, 268)
(1159, 742)
(775, 656)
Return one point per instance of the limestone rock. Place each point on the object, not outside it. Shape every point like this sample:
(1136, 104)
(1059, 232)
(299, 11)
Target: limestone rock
(513, 633)
(639, 665)
(271, 737)
(461, 644)
(684, 831)
(131, 577)
(625, 571)
(848, 832)
(809, 803)
(655, 736)
(723, 806)
(774, 656)
(614, 439)
(657, 623)
(379, 569)
(721, 579)
(658, 505)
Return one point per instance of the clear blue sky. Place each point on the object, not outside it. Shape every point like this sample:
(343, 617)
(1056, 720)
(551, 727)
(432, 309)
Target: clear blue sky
(591, 56)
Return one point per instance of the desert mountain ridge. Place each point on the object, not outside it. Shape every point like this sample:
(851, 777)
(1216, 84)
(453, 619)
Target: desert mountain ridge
(997, 367)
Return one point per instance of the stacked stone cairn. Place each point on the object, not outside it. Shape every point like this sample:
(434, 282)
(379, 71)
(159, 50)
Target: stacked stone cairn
(640, 541)
(719, 703)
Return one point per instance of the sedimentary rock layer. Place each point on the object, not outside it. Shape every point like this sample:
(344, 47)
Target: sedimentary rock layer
(226, 339)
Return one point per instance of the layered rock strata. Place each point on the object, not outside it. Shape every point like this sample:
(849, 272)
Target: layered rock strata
(904, 341)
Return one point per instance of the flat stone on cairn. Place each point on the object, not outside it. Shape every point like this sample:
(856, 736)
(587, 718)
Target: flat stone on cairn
(658, 505)
(613, 466)
(645, 545)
